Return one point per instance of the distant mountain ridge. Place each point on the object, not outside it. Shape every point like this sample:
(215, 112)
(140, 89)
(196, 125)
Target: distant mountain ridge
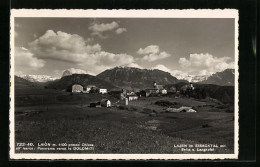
(83, 79)
(73, 71)
(24, 83)
(37, 78)
(129, 78)
(135, 78)
(224, 78)
(191, 78)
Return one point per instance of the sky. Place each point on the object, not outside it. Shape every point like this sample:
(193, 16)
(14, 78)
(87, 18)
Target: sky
(188, 46)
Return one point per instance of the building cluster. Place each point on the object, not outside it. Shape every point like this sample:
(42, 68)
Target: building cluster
(101, 103)
(128, 96)
(77, 88)
(187, 88)
(123, 94)
(156, 89)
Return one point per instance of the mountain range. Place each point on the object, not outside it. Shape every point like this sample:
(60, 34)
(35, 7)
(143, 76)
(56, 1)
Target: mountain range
(224, 78)
(66, 82)
(24, 83)
(73, 71)
(128, 78)
(37, 78)
(192, 78)
(135, 78)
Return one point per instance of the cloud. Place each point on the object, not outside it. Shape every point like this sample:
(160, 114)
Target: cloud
(152, 49)
(72, 70)
(89, 40)
(100, 35)
(24, 58)
(19, 73)
(152, 53)
(76, 71)
(106, 58)
(101, 29)
(205, 64)
(72, 48)
(176, 73)
(104, 27)
(134, 65)
(161, 67)
(62, 46)
(120, 30)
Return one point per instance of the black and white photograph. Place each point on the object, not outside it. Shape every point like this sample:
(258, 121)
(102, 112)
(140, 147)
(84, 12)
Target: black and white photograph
(117, 84)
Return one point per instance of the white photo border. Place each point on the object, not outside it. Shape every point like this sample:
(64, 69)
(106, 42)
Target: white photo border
(153, 13)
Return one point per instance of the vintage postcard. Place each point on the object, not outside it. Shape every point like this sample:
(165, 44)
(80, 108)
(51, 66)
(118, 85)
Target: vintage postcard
(124, 84)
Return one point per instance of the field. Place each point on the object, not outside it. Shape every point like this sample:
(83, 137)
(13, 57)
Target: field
(144, 126)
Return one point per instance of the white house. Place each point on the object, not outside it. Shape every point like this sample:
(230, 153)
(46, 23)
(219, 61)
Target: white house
(102, 90)
(105, 103)
(76, 88)
(163, 91)
(132, 97)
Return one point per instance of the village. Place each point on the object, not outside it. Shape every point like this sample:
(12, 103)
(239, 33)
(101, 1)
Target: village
(127, 95)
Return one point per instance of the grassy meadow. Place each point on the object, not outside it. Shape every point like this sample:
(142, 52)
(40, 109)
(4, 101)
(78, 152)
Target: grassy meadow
(144, 126)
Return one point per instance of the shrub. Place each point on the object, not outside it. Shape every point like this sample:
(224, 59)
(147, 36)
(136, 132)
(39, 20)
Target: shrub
(122, 107)
(152, 114)
(205, 126)
(147, 110)
(165, 103)
(155, 111)
(132, 109)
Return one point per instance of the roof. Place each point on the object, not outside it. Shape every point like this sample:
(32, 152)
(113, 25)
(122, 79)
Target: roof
(77, 85)
(159, 86)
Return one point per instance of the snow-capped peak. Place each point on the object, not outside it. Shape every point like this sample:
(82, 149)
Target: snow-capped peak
(37, 78)
(191, 78)
(73, 71)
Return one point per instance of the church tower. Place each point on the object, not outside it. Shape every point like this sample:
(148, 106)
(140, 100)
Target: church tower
(154, 84)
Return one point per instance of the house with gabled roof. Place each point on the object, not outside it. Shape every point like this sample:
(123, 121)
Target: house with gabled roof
(77, 88)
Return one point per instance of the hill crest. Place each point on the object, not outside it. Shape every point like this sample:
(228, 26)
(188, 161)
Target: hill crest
(136, 78)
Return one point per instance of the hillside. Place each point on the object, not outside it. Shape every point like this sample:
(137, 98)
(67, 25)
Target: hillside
(135, 78)
(224, 94)
(226, 77)
(21, 83)
(83, 79)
